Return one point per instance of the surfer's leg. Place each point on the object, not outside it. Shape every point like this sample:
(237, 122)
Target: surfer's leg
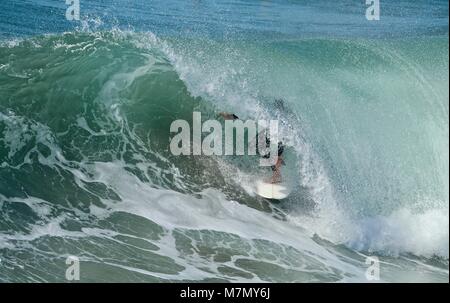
(276, 176)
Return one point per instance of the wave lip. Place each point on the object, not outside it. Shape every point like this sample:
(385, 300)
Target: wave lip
(424, 234)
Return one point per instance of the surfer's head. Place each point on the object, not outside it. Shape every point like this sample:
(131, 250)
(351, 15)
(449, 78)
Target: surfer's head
(279, 104)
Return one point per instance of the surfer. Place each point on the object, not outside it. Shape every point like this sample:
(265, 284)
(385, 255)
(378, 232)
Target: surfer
(276, 169)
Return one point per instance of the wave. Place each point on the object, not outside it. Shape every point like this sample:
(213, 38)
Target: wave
(366, 124)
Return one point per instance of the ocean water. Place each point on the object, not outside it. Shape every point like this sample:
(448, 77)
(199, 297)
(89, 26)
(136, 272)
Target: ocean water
(86, 170)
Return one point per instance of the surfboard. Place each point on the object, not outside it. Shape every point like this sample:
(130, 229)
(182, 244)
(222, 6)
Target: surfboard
(275, 191)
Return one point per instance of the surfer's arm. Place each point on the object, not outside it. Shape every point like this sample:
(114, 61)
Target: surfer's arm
(228, 116)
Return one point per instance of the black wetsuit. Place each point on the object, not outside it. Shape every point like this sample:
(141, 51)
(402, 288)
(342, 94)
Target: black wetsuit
(280, 151)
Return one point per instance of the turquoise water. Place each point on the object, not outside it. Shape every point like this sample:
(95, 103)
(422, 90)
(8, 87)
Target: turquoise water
(85, 166)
